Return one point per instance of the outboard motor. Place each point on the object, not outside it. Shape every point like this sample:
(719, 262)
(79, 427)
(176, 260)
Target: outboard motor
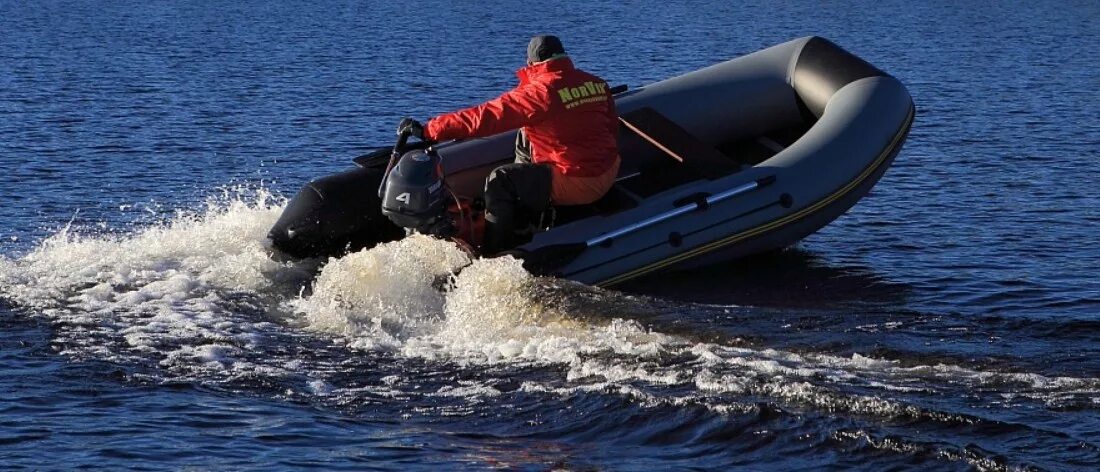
(413, 195)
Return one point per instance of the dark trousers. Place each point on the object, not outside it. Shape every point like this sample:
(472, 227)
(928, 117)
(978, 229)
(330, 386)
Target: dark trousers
(516, 195)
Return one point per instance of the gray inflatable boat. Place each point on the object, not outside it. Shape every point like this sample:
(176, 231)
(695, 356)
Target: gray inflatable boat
(741, 157)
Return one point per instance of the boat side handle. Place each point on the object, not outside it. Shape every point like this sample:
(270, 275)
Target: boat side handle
(693, 204)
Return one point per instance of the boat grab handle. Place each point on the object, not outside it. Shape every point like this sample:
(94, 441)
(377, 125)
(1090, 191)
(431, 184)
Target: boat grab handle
(693, 206)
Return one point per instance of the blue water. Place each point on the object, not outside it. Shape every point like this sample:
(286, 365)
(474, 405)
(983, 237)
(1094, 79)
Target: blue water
(950, 321)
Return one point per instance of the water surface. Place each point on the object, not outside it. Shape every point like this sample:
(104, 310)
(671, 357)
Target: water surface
(951, 320)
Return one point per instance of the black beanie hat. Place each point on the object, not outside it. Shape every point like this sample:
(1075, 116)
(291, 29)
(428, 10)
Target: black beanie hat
(542, 48)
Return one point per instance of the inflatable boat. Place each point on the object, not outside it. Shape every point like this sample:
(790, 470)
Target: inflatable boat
(749, 155)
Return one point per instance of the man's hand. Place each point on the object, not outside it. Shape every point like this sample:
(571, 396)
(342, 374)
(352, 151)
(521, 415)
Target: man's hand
(411, 126)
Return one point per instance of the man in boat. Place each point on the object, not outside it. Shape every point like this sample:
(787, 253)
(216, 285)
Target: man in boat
(567, 149)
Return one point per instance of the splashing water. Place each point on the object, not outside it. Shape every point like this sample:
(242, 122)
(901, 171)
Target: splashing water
(382, 296)
(199, 298)
(201, 290)
(385, 298)
(181, 290)
(224, 247)
(495, 312)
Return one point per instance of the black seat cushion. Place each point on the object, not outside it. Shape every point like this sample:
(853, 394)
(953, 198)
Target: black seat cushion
(614, 201)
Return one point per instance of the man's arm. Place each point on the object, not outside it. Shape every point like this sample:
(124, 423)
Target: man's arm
(514, 109)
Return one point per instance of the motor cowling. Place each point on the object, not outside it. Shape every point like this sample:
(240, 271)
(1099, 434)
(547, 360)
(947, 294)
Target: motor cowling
(414, 196)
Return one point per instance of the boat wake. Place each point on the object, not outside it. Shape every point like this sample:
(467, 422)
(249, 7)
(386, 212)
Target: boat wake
(200, 299)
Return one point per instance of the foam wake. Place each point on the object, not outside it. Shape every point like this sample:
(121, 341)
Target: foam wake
(200, 298)
(184, 294)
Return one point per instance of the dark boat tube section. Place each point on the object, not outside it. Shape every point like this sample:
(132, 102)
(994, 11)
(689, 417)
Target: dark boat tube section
(334, 215)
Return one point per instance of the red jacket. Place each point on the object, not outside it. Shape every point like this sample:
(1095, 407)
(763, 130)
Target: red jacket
(568, 115)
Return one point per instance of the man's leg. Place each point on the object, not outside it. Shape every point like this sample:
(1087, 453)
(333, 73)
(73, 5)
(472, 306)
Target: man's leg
(511, 191)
